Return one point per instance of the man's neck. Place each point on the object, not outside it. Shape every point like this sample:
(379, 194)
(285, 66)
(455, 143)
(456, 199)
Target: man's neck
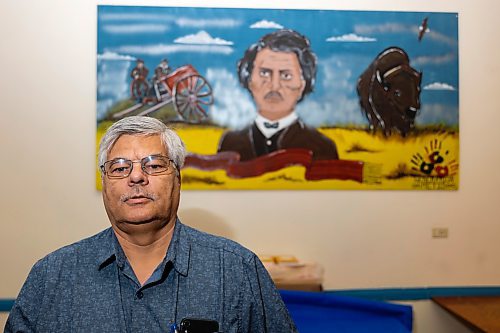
(263, 123)
(145, 251)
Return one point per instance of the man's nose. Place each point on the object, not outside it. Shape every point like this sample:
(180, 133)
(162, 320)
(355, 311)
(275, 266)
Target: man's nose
(275, 82)
(137, 175)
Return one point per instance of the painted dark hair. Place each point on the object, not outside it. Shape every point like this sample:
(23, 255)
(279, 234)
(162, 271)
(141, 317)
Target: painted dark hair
(282, 41)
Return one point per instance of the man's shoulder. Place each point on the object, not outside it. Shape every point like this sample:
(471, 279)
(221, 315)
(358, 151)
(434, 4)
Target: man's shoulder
(87, 247)
(239, 141)
(241, 131)
(201, 239)
(301, 135)
(300, 126)
(235, 136)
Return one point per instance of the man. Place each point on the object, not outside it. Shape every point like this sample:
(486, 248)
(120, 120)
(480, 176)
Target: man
(160, 88)
(148, 271)
(139, 86)
(164, 67)
(278, 71)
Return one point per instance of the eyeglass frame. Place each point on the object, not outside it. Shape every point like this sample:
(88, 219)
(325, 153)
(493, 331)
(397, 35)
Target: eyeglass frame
(170, 162)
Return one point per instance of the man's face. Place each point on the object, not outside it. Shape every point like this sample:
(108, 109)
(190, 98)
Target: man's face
(140, 199)
(276, 83)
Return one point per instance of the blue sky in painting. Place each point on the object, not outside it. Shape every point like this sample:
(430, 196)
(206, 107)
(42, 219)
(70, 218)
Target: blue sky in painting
(214, 39)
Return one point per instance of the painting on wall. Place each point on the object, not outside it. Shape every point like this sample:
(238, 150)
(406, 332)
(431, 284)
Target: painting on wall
(289, 99)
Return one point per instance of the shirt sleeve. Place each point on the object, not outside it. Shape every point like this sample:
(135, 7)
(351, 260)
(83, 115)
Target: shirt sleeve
(24, 313)
(268, 313)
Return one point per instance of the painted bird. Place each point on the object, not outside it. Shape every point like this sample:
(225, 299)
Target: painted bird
(422, 29)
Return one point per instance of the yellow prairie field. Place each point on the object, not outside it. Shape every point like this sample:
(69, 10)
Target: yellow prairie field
(390, 162)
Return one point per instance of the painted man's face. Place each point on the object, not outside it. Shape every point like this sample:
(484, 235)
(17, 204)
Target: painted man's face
(276, 83)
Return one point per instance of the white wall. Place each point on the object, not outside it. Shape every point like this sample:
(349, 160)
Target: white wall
(47, 140)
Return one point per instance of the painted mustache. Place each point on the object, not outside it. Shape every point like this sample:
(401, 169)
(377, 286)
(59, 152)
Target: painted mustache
(273, 95)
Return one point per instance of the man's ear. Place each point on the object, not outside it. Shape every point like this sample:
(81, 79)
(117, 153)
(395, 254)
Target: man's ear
(179, 177)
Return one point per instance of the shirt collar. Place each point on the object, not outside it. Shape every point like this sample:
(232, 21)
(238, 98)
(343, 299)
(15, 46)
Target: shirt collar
(282, 123)
(179, 249)
(106, 253)
(109, 250)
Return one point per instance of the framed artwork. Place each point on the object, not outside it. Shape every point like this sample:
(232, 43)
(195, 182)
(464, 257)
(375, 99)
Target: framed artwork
(289, 99)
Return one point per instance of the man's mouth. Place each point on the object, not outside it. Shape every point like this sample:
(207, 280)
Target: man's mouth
(137, 199)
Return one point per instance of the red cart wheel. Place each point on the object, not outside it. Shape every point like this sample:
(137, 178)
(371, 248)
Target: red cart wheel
(192, 95)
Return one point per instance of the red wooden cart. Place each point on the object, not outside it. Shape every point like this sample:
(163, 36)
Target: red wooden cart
(190, 93)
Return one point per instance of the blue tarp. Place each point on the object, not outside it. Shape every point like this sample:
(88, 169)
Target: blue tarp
(315, 312)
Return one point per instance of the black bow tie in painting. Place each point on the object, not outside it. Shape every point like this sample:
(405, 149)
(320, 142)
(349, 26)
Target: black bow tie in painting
(271, 125)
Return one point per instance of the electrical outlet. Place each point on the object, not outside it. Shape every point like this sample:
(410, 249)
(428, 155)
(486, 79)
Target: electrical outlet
(439, 232)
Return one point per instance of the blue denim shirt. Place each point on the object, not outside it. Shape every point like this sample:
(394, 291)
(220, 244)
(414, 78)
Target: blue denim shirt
(89, 286)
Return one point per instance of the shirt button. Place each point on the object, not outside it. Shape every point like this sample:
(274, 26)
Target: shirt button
(268, 142)
(139, 295)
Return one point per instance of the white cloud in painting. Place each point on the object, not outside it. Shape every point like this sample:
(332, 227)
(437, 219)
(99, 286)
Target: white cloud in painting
(207, 23)
(112, 83)
(319, 113)
(233, 106)
(340, 105)
(368, 29)
(159, 49)
(439, 86)
(437, 114)
(135, 17)
(434, 60)
(392, 28)
(202, 38)
(439, 37)
(265, 24)
(115, 56)
(135, 28)
(351, 38)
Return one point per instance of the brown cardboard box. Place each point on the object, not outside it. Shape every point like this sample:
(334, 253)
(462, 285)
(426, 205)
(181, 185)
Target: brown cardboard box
(294, 275)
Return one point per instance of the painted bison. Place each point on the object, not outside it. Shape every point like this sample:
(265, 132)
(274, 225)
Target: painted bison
(389, 92)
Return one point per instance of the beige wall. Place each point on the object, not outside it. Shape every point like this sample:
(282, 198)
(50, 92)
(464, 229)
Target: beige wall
(47, 132)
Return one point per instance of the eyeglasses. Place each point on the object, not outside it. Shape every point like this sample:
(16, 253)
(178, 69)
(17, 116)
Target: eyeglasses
(152, 165)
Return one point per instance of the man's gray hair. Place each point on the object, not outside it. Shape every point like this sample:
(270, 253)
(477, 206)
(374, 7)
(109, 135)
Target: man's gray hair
(146, 126)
